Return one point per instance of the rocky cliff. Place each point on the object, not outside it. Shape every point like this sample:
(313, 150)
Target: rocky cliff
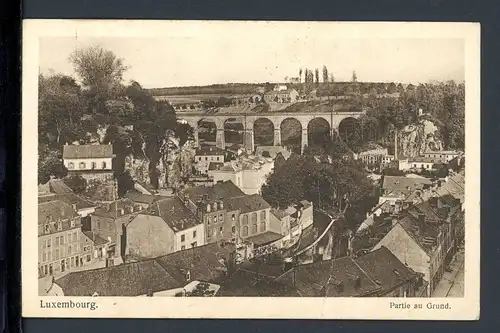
(415, 139)
(175, 163)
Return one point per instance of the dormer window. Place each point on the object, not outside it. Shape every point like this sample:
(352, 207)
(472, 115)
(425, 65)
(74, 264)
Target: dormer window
(71, 165)
(82, 165)
(94, 165)
(95, 294)
(104, 165)
(59, 225)
(72, 223)
(46, 228)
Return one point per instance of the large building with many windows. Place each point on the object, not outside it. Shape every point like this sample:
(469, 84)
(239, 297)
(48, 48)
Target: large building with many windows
(62, 246)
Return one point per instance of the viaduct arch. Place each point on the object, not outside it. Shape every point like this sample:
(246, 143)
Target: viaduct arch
(333, 119)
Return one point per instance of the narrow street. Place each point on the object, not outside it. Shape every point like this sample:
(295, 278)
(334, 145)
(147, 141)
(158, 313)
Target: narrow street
(452, 283)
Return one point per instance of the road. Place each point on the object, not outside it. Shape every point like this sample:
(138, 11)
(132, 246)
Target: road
(452, 283)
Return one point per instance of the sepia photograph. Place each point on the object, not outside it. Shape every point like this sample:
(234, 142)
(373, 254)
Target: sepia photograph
(210, 167)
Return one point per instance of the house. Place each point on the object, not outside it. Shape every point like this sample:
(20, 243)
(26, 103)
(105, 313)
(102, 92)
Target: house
(281, 96)
(169, 275)
(394, 278)
(92, 162)
(169, 226)
(248, 172)
(293, 220)
(208, 204)
(424, 239)
(205, 155)
(396, 188)
(62, 245)
(280, 87)
(442, 156)
(424, 163)
(83, 207)
(373, 157)
(380, 274)
(110, 221)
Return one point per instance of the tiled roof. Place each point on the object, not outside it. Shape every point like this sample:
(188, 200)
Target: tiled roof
(423, 233)
(332, 278)
(87, 151)
(95, 238)
(58, 186)
(113, 209)
(385, 268)
(246, 203)
(264, 238)
(204, 263)
(400, 183)
(245, 284)
(175, 214)
(69, 198)
(54, 211)
(132, 279)
(220, 190)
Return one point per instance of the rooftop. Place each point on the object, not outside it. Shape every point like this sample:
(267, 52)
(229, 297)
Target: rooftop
(69, 198)
(95, 238)
(244, 283)
(246, 203)
(87, 151)
(264, 238)
(423, 233)
(175, 214)
(401, 183)
(385, 268)
(116, 208)
(204, 263)
(219, 191)
(56, 186)
(54, 211)
(332, 278)
(215, 165)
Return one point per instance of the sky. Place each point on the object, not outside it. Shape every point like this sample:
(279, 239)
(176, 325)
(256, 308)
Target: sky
(157, 62)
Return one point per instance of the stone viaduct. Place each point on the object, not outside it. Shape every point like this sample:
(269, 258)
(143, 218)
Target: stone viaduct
(248, 120)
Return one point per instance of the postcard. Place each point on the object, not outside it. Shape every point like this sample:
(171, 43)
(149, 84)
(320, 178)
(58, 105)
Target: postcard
(251, 169)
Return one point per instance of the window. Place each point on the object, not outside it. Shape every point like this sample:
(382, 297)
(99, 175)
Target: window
(94, 165)
(233, 230)
(209, 233)
(254, 217)
(183, 238)
(82, 165)
(215, 219)
(221, 218)
(209, 220)
(57, 241)
(232, 217)
(88, 257)
(72, 224)
(71, 165)
(217, 158)
(245, 219)
(104, 165)
(74, 237)
(61, 241)
(49, 255)
(215, 232)
(262, 226)
(263, 215)
(254, 228)
(57, 255)
(43, 244)
(44, 257)
(69, 250)
(183, 247)
(245, 231)
(49, 242)
(46, 228)
(206, 158)
(194, 234)
(194, 244)
(221, 230)
(98, 224)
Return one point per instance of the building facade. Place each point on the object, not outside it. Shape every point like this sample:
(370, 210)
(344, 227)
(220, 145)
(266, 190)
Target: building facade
(204, 156)
(62, 246)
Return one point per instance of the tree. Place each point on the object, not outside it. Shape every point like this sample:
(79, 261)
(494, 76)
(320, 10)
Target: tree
(300, 75)
(391, 88)
(325, 74)
(316, 75)
(354, 77)
(332, 78)
(101, 74)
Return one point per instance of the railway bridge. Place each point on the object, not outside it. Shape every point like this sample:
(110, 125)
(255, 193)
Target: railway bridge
(332, 118)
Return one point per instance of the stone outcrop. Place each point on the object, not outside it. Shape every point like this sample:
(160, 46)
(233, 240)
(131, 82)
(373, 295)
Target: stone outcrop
(415, 139)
